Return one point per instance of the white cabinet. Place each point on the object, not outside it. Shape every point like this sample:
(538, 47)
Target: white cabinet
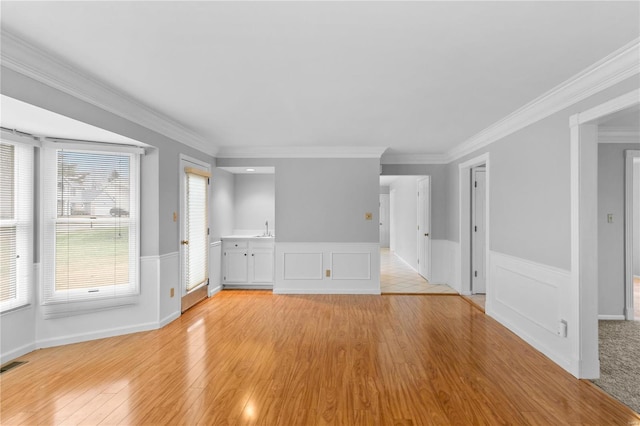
(247, 263)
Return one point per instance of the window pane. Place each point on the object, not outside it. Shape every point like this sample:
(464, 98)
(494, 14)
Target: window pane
(7, 263)
(7, 184)
(91, 254)
(92, 184)
(197, 231)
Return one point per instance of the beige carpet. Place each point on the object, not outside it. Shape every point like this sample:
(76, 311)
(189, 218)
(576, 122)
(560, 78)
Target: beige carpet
(620, 361)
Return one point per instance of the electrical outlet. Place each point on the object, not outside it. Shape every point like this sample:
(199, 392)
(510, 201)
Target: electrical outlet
(172, 292)
(327, 272)
(562, 328)
(610, 218)
(175, 216)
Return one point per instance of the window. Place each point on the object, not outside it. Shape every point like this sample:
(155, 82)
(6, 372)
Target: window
(91, 252)
(16, 224)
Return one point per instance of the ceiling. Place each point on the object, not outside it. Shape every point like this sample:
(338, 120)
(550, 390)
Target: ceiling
(417, 77)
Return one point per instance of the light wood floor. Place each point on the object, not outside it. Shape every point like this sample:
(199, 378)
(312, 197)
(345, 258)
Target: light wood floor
(257, 358)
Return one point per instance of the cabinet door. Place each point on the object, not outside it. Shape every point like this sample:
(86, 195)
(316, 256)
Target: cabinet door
(235, 265)
(262, 270)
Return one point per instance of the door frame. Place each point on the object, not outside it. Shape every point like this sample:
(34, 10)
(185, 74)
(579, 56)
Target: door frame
(385, 203)
(189, 299)
(473, 232)
(464, 225)
(427, 223)
(630, 157)
(583, 321)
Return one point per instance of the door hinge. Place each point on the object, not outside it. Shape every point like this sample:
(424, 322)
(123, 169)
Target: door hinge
(208, 181)
(225, 253)
(475, 274)
(475, 184)
(208, 230)
(475, 229)
(418, 260)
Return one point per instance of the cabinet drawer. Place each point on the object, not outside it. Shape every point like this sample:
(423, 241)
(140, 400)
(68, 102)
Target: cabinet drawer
(235, 244)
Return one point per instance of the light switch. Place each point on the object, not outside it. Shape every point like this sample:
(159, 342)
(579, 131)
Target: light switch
(172, 292)
(328, 272)
(368, 216)
(175, 216)
(610, 218)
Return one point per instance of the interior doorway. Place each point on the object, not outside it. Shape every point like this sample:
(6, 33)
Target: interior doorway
(632, 235)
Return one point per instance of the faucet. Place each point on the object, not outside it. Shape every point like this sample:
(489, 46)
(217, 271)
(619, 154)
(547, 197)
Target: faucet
(266, 234)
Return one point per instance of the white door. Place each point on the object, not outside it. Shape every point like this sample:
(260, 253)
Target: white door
(424, 227)
(478, 230)
(392, 216)
(384, 220)
(194, 232)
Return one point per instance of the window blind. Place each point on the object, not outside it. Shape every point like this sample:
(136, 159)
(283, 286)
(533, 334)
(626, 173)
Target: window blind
(91, 251)
(16, 224)
(197, 228)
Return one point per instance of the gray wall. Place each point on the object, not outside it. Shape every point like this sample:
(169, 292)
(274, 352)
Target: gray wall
(611, 235)
(530, 187)
(254, 201)
(636, 218)
(439, 191)
(222, 210)
(323, 199)
(28, 90)
(406, 219)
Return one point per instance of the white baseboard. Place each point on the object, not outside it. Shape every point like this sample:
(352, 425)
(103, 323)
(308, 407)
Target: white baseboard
(301, 268)
(530, 299)
(296, 290)
(17, 352)
(214, 290)
(101, 334)
(611, 317)
(169, 318)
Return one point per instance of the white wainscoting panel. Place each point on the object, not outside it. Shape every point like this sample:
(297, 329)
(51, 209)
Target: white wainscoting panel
(531, 299)
(169, 278)
(445, 263)
(350, 266)
(215, 269)
(354, 268)
(302, 266)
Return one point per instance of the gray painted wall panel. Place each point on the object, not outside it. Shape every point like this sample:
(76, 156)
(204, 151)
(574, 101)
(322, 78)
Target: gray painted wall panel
(222, 211)
(254, 201)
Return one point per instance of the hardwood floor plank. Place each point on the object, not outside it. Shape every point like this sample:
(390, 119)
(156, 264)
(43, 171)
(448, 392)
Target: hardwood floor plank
(254, 358)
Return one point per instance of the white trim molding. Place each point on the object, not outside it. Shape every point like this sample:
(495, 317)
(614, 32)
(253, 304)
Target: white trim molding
(618, 135)
(30, 61)
(353, 268)
(301, 152)
(614, 68)
(611, 318)
(630, 156)
(415, 159)
(584, 244)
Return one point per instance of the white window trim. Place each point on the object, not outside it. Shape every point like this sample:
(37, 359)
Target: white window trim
(24, 152)
(55, 306)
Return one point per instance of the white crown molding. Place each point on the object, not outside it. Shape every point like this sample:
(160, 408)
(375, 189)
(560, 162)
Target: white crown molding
(301, 152)
(618, 135)
(41, 66)
(415, 159)
(614, 68)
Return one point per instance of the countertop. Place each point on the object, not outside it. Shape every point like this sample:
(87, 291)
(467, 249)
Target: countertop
(246, 237)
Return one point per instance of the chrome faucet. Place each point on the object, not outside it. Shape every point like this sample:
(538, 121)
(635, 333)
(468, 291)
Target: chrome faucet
(266, 234)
